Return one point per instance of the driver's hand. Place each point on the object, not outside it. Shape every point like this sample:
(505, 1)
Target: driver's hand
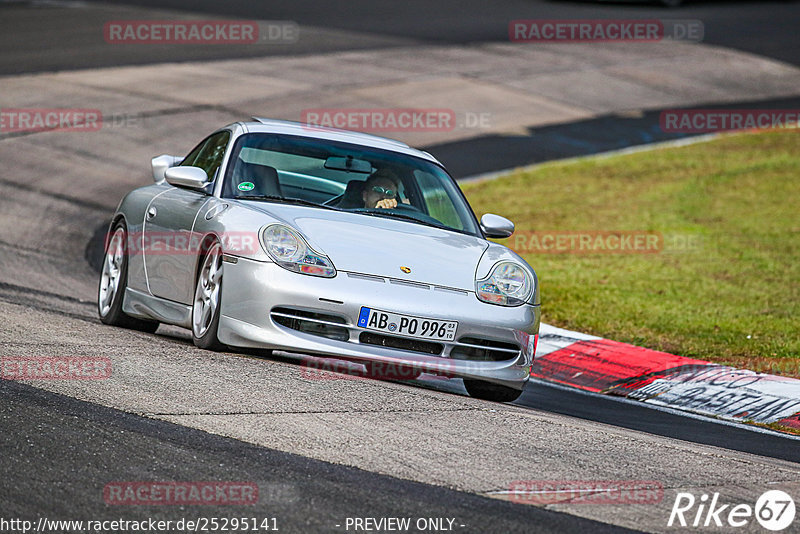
(387, 203)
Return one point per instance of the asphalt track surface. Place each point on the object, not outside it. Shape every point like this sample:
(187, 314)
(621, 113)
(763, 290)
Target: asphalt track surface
(40, 42)
(61, 450)
(98, 445)
(65, 35)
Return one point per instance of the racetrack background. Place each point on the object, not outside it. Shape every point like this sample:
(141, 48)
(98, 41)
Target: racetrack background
(57, 189)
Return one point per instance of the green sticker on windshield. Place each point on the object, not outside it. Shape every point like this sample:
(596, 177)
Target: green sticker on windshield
(246, 186)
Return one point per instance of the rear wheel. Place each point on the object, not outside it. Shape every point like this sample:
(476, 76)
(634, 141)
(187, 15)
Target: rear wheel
(114, 281)
(207, 299)
(491, 392)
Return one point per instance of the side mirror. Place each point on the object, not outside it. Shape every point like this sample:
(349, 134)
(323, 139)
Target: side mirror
(191, 177)
(160, 165)
(496, 226)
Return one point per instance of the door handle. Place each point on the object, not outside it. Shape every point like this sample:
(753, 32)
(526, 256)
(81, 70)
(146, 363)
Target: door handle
(216, 210)
(151, 212)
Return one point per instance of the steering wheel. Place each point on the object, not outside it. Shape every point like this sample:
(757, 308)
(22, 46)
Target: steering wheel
(408, 207)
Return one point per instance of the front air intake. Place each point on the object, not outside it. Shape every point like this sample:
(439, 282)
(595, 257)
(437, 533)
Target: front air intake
(484, 350)
(313, 323)
(415, 345)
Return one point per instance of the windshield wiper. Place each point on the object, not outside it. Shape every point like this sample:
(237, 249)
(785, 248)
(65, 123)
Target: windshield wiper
(287, 200)
(394, 214)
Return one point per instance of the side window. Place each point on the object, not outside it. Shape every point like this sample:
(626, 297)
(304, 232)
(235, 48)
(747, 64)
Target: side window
(208, 154)
(189, 160)
(437, 201)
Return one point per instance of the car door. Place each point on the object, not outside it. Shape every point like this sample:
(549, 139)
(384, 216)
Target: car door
(170, 246)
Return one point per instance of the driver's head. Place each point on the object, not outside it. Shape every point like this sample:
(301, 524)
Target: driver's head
(381, 185)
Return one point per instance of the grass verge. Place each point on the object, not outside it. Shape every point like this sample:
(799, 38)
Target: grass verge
(723, 282)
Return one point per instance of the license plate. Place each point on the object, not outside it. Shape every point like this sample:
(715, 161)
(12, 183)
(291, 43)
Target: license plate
(407, 325)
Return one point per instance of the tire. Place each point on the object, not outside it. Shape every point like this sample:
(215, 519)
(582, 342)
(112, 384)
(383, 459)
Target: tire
(114, 281)
(491, 392)
(207, 300)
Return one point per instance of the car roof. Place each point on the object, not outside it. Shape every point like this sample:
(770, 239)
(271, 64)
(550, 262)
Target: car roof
(264, 125)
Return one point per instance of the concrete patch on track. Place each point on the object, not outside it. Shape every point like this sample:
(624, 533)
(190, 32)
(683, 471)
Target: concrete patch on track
(603, 366)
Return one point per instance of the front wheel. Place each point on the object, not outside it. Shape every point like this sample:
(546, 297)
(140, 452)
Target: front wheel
(207, 300)
(491, 392)
(113, 282)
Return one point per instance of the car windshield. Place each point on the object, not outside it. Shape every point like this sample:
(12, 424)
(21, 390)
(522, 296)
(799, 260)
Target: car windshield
(343, 176)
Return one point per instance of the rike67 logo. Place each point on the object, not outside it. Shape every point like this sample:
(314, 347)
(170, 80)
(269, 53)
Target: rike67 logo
(774, 510)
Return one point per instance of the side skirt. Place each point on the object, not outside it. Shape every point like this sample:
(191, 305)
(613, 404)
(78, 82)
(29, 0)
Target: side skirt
(143, 306)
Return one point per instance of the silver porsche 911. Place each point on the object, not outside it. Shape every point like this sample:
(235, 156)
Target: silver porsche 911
(279, 235)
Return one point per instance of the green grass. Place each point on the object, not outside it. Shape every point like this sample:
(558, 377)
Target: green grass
(731, 298)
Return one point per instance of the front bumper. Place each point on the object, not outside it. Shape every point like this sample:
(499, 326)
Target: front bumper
(252, 291)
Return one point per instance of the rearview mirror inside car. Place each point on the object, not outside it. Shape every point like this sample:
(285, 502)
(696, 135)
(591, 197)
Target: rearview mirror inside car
(349, 164)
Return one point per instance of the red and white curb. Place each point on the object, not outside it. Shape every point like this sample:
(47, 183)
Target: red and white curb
(595, 364)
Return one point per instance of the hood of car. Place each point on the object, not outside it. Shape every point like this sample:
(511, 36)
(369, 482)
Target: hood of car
(387, 247)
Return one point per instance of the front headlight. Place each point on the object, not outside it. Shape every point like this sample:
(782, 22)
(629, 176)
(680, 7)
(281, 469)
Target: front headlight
(508, 284)
(289, 250)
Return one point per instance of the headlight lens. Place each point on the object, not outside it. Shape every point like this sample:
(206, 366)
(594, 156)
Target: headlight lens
(290, 251)
(507, 285)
